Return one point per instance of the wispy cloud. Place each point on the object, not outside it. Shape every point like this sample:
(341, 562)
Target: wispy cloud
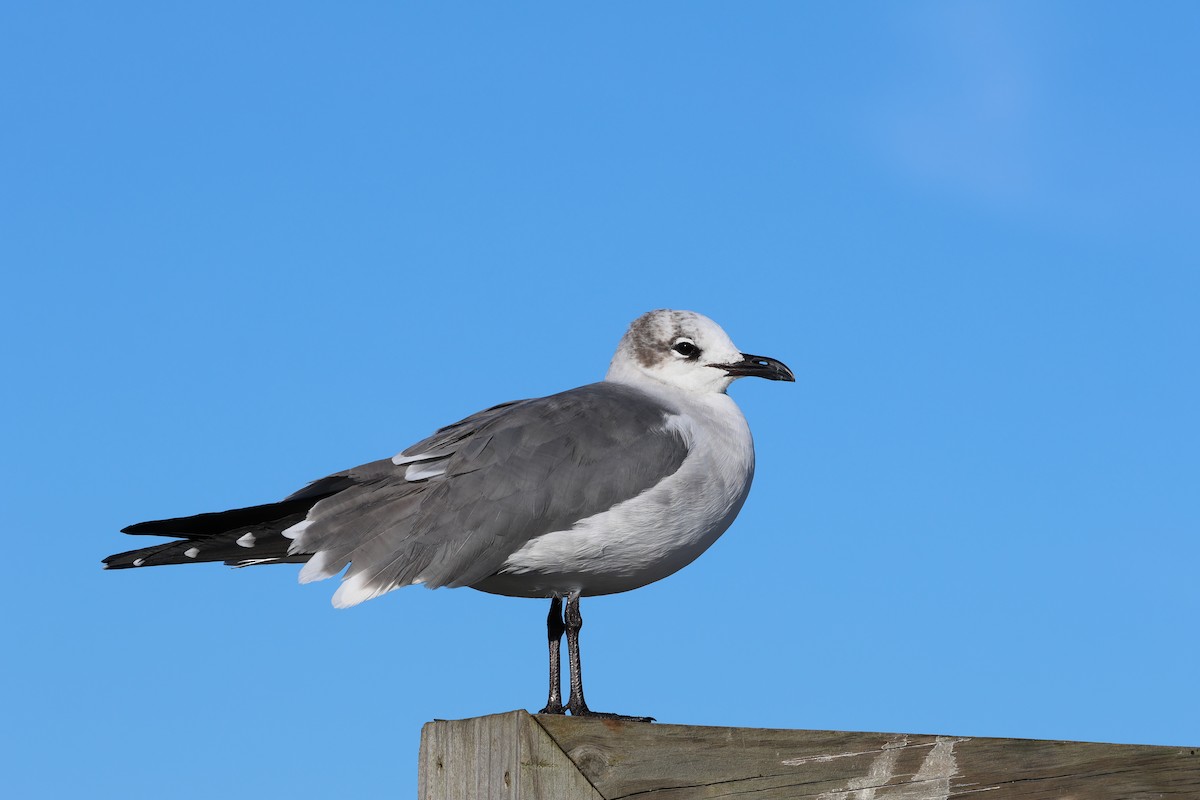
(1029, 112)
(958, 115)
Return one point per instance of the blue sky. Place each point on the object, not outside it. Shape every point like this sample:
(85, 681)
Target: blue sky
(247, 246)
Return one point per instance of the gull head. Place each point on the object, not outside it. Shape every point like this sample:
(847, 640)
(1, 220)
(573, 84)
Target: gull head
(688, 351)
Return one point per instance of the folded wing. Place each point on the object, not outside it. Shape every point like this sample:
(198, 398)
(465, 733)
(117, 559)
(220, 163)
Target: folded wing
(449, 510)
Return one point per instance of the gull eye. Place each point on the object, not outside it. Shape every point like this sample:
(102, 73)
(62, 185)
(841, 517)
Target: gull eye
(686, 349)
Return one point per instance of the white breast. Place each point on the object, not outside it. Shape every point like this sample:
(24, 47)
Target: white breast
(656, 533)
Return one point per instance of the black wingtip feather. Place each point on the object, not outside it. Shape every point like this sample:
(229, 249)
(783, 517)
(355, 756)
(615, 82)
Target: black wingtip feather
(217, 522)
(215, 536)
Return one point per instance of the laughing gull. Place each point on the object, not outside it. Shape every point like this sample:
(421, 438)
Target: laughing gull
(597, 490)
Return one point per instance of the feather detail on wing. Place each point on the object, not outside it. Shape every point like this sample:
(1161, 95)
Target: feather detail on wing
(451, 508)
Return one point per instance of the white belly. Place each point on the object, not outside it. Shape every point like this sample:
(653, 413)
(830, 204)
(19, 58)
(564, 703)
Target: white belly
(650, 536)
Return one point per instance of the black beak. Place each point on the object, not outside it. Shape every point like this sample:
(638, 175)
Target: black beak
(758, 367)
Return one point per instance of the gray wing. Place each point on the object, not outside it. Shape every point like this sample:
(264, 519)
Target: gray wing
(453, 507)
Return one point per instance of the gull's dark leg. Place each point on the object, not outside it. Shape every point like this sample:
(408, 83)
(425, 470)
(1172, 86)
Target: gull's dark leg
(554, 632)
(574, 622)
(575, 703)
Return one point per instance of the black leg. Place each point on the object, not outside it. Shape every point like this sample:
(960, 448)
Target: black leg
(574, 622)
(575, 703)
(554, 632)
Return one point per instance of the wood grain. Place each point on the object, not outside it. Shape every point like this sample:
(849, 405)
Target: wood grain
(568, 758)
(500, 756)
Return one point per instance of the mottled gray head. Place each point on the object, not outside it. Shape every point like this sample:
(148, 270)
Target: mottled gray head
(688, 351)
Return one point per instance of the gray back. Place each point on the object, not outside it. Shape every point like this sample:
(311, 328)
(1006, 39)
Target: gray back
(511, 473)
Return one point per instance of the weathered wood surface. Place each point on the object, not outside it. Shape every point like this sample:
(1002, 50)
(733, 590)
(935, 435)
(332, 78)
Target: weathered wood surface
(504, 755)
(525, 757)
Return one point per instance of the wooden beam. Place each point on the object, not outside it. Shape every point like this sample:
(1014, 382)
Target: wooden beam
(521, 757)
(501, 756)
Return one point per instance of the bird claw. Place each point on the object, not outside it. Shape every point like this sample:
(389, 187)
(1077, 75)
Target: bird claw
(584, 711)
